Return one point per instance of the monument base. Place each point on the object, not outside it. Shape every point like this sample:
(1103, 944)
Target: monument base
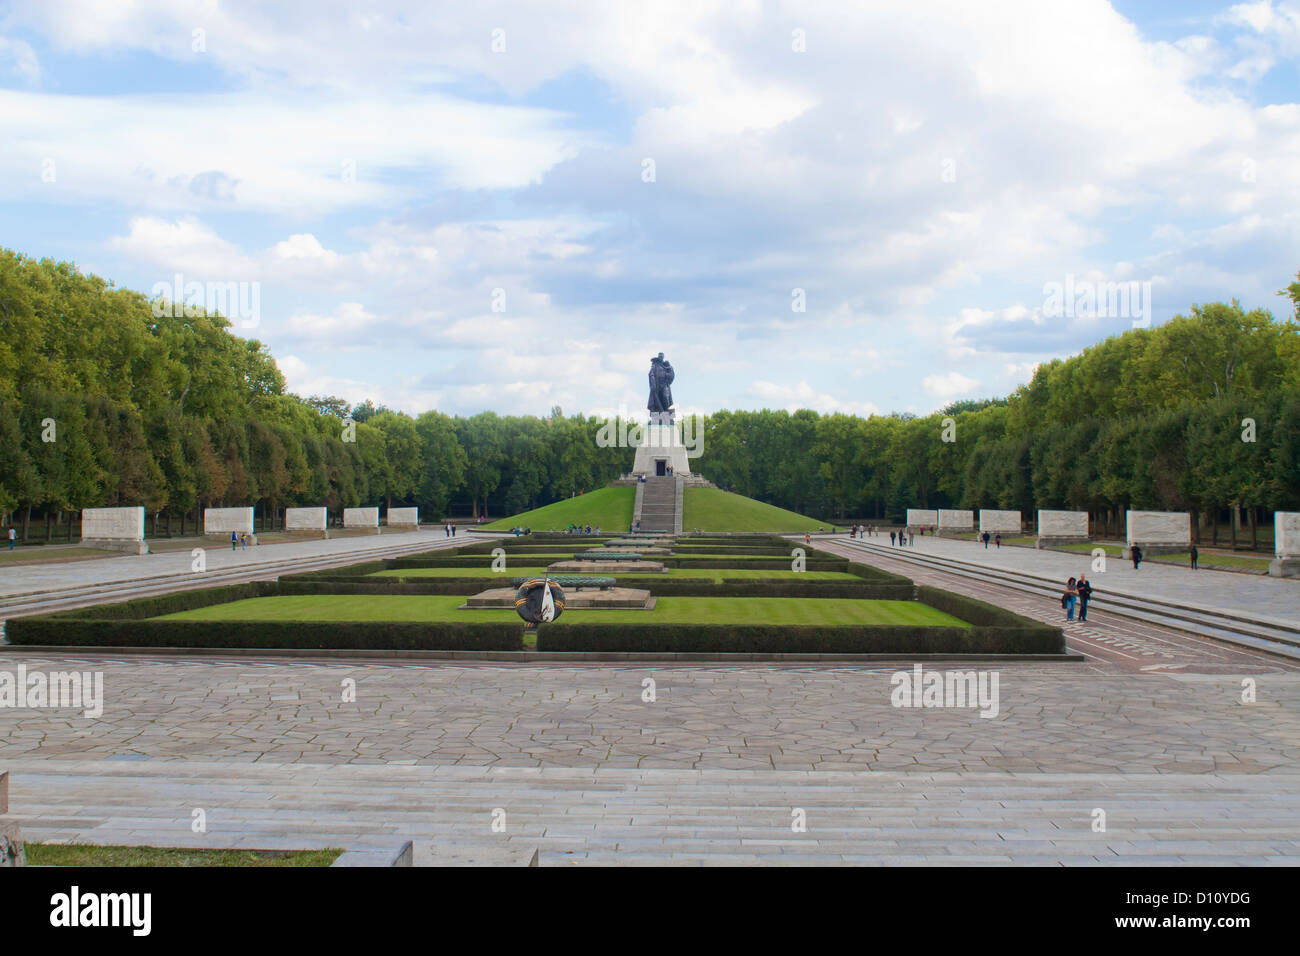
(108, 544)
(1057, 541)
(1284, 567)
(660, 449)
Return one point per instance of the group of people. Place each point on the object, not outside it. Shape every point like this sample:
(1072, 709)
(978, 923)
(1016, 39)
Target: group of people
(581, 529)
(449, 530)
(903, 537)
(863, 531)
(997, 538)
(518, 531)
(238, 541)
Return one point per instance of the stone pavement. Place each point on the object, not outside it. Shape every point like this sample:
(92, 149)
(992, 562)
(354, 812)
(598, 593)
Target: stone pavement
(675, 817)
(710, 772)
(1255, 596)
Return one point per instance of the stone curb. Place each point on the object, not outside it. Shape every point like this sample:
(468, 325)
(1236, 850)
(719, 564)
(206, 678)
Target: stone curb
(402, 856)
(520, 657)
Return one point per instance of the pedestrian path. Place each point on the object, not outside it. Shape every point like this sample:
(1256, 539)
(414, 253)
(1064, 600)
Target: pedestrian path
(218, 556)
(1262, 598)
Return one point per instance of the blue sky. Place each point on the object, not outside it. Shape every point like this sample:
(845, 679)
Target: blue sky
(451, 208)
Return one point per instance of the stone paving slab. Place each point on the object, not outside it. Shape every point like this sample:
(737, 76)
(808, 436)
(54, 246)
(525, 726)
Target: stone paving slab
(451, 810)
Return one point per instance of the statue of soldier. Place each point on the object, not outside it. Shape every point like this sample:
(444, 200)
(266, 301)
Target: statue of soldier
(661, 394)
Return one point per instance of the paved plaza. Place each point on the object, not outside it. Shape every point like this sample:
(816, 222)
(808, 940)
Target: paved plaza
(1190, 747)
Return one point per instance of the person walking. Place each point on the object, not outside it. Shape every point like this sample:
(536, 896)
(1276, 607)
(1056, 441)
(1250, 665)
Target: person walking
(985, 538)
(1084, 590)
(998, 540)
(453, 529)
(1069, 598)
(891, 539)
(911, 539)
(13, 538)
(234, 541)
(1194, 554)
(1137, 557)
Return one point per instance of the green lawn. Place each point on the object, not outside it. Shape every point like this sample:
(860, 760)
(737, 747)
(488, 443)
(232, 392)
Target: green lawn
(717, 574)
(669, 610)
(1210, 560)
(611, 508)
(1086, 547)
(57, 854)
(711, 509)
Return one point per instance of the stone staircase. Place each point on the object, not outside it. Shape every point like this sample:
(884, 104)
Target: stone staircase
(660, 504)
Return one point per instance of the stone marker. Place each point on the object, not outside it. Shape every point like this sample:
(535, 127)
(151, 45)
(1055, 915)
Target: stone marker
(367, 519)
(1158, 532)
(11, 845)
(119, 529)
(1286, 545)
(403, 517)
(312, 520)
(1061, 527)
(223, 521)
(999, 522)
(920, 518)
(955, 522)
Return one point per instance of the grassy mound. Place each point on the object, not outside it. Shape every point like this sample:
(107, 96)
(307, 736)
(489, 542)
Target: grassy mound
(611, 508)
(711, 509)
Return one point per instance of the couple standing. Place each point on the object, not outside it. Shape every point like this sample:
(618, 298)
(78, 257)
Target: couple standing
(1077, 591)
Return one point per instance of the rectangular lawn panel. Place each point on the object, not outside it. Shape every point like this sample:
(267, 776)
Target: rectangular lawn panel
(403, 608)
(611, 508)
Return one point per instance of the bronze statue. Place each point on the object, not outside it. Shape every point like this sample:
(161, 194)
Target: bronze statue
(661, 394)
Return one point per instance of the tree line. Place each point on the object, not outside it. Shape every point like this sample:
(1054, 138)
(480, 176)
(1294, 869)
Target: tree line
(106, 400)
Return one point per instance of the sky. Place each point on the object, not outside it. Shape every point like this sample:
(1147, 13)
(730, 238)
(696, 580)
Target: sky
(866, 207)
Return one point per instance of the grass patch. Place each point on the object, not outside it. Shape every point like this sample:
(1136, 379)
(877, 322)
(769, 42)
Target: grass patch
(712, 509)
(1212, 561)
(328, 608)
(58, 854)
(611, 508)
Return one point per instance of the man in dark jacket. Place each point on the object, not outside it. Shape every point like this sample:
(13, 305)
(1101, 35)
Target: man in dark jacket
(1085, 595)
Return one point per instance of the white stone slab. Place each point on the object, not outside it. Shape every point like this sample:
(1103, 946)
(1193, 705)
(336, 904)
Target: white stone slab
(1063, 524)
(112, 524)
(1286, 534)
(956, 520)
(999, 522)
(403, 517)
(361, 517)
(227, 520)
(921, 518)
(306, 519)
(1165, 528)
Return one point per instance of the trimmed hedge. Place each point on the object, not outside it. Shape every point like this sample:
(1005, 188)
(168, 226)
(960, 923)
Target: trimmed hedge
(721, 638)
(977, 612)
(364, 635)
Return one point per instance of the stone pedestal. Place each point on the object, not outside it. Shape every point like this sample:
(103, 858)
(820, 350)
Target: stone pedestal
(1056, 528)
(114, 529)
(922, 518)
(1286, 545)
(999, 522)
(408, 518)
(1284, 567)
(661, 446)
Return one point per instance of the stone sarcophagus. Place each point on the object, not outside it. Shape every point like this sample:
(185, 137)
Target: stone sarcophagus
(403, 517)
(363, 519)
(954, 521)
(307, 521)
(1158, 532)
(1061, 527)
(999, 522)
(922, 518)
